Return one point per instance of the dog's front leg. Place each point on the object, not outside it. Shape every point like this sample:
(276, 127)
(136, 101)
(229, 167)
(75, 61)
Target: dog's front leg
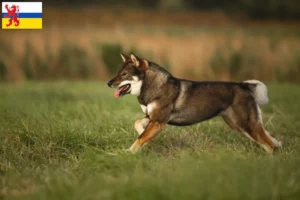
(141, 124)
(150, 132)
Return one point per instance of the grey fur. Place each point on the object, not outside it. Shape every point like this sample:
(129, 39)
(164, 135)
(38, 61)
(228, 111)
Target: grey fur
(182, 102)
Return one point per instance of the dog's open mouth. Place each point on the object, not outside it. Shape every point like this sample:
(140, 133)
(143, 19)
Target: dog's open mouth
(122, 90)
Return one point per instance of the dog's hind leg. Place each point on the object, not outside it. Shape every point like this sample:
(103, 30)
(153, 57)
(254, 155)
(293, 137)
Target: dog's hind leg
(141, 124)
(244, 116)
(264, 139)
(231, 119)
(265, 134)
(235, 121)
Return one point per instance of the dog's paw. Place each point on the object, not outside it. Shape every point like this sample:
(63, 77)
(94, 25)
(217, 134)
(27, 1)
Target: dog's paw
(132, 150)
(135, 147)
(127, 150)
(279, 144)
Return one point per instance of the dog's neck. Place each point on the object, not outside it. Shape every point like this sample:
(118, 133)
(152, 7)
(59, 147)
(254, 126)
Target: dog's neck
(155, 77)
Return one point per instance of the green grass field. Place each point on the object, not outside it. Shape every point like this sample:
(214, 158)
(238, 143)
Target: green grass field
(67, 140)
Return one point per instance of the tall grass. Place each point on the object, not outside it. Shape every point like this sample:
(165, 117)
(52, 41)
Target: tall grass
(228, 52)
(110, 54)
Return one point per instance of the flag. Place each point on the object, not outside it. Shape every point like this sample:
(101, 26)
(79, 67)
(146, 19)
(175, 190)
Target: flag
(22, 15)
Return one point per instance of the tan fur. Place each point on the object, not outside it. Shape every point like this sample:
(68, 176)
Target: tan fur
(149, 134)
(124, 57)
(253, 130)
(182, 94)
(141, 124)
(151, 107)
(135, 60)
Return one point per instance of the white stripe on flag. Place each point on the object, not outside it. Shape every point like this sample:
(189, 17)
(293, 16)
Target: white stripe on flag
(25, 7)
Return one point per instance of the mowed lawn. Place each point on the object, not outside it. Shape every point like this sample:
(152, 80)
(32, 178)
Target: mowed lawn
(67, 140)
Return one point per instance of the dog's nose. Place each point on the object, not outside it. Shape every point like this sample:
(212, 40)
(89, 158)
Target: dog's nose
(109, 83)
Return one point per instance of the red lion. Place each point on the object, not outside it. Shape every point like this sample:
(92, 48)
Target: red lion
(12, 14)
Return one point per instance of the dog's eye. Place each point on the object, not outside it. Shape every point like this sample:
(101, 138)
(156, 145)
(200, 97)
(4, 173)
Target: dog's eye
(124, 74)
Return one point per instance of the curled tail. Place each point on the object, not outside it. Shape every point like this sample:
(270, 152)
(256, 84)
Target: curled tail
(260, 91)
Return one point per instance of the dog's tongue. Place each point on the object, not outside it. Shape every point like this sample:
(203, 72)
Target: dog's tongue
(117, 93)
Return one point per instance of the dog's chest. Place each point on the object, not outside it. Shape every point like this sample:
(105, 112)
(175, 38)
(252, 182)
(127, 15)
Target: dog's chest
(149, 108)
(144, 108)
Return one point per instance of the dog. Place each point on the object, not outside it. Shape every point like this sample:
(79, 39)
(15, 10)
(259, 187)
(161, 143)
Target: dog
(166, 99)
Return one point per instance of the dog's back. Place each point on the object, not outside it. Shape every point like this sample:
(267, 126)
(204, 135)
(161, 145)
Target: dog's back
(199, 101)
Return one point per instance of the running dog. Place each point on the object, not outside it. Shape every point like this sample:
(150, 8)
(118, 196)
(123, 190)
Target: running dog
(168, 100)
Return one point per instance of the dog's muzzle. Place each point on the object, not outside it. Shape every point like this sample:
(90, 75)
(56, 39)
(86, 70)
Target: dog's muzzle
(109, 83)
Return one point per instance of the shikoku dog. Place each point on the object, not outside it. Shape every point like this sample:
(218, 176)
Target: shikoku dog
(168, 100)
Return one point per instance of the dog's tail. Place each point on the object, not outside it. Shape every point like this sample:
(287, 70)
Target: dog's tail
(259, 90)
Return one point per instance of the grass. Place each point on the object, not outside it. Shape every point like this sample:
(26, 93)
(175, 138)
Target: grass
(66, 140)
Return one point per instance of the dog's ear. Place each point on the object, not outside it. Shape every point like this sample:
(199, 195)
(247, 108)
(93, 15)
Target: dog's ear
(138, 62)
(135, 60)
(124, 57)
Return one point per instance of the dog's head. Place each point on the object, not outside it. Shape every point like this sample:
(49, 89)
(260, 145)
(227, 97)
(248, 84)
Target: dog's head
(130, 77)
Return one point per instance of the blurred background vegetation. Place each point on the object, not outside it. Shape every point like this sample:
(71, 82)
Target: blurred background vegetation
(208, 39)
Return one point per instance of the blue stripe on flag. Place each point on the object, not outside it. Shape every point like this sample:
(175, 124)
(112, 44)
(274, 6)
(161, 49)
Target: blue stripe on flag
(27, 15)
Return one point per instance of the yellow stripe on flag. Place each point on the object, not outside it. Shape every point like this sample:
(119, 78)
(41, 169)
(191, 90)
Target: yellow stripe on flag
(25, 23)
